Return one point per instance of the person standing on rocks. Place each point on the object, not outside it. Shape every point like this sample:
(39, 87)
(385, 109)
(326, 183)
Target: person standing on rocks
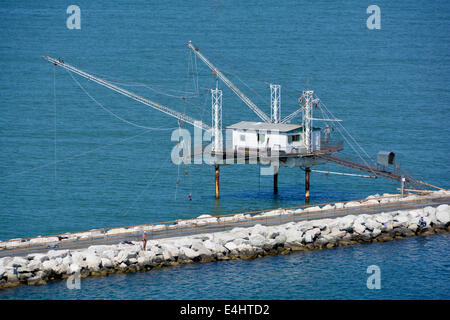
(144, 241)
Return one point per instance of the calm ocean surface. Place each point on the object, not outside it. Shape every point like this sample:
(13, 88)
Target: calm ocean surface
(390, 87)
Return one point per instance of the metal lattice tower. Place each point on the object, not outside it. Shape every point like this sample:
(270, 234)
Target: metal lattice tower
(307, 115)
(216, 111)
(275, 103)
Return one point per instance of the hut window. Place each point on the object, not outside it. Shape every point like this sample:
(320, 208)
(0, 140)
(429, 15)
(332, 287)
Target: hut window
(261, 137)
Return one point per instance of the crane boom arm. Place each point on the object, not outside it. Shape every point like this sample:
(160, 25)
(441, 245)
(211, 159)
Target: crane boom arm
(291, 116)
(243, 97)
(157, 106)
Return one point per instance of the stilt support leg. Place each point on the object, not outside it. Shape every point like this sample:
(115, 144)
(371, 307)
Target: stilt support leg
(275, 180)
(217, 181)
(307, 171)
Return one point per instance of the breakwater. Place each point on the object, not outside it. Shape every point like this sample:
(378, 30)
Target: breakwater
(238, 243)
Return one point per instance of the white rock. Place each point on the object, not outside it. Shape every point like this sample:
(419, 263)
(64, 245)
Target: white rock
(188, 253)
(43, 240)
(400, 221)
(388, 194)
(67, 260)
(309, 238)
(339, 205)
(272, 213)
(376, 232)
(197, 246)
(93, 262)
(155, 227)
(352, 204)
(10, 244)
(116, 231)
(34, 265)
(244, 247)
(53, 254)
(224, 238)
(226, 219)
(109, 254)
(170, 250)
(312, 209)
(383, 218)
(319, 224)
(359, 228)
(259, 229)
(144, 260)
(18, 262)
(372, 224)
(106, 263)
(416, 213)
(230, 246)
(313, 232)
(328, 207)
(39, 257)
(346, 223)
(73, 268)
(99, 249)
(413, 226)
(206, 218)
(280, 239)
(183, 242)
(239, 216)
(293, 236)
(370, 202)
(443, 215)
(304, 226)
(429, 210)
(257, 240)
(239, 234)
(409, 198)
(337, 234)
(214, 247)
(49, 265)
(78, 257)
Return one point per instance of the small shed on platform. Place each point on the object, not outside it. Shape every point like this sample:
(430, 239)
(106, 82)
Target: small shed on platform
(280, 136)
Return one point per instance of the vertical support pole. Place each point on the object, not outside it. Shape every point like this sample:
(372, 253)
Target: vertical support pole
(307, 171)
(275, 180)
(217, 181)
(403, 187)
(275, 103)
(216, 121)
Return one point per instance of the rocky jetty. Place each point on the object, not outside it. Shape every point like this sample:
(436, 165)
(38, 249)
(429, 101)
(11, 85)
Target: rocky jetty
(238, 243)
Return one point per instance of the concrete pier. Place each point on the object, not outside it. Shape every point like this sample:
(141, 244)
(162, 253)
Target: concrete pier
(238, 243)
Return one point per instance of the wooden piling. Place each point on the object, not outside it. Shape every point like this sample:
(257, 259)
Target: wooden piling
(217, 181)
(307, 171)
(275, 180)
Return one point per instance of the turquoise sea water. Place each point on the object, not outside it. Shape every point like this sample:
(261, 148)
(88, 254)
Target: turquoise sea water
(390, 87)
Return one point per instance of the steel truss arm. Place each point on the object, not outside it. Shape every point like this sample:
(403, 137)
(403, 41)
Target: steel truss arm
(243, 97)
(157, 106)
